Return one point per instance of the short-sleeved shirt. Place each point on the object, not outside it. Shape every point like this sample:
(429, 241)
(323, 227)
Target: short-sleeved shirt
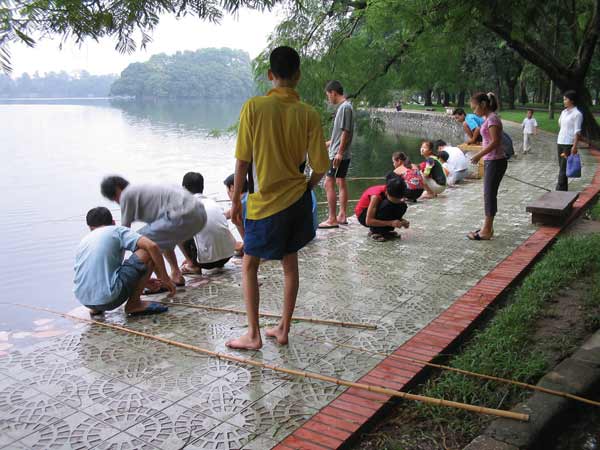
(570, 122)
(473, 121)
(492, 120)
(214, 242)
(457, 160)
(529, 125)
(365, 198)
(344, 121)
(148, 202)
(275, 134)
(98, 258)
(432, 168)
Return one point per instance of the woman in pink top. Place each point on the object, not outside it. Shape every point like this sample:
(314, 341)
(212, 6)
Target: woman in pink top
(495, 162)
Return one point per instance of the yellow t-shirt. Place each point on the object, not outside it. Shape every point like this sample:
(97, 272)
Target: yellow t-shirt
(275, 134)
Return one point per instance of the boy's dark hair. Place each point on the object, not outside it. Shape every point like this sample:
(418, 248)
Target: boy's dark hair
(230, 180)
(395, 187)
(109, 186)
(284, 62)
(193, 182)
(530, 110)
(459, 112)
(334, 85)
(98, 217)
(439, 143)
(443, 155)
(571, 95)
(429, 145)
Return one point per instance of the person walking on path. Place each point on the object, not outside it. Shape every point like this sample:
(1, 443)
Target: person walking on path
(570, 122)
(276, 132)
(339, 155)
(529, 126)
(495, 162)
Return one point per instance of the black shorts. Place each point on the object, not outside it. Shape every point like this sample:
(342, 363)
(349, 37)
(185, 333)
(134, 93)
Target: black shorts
(341, 171)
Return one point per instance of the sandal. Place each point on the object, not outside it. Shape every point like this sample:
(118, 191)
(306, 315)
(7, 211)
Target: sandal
(152, 308)
(378, 237)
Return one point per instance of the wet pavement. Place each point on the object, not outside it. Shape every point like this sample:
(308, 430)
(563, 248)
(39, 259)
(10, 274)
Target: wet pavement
(69, 385)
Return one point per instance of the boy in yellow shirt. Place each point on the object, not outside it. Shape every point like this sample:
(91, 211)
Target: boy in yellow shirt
(276, 133)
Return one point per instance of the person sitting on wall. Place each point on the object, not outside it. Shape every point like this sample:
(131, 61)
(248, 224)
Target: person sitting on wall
(434, 179)
(471, 124)
(214, 245)
(103, 281)
(381, 209)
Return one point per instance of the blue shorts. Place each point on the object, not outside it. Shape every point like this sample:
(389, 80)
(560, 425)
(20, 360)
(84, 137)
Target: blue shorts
(128, 276)
(283, 233)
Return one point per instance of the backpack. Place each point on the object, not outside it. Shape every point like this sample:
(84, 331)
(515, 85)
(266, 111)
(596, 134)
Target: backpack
(507, 145)
(413, 179)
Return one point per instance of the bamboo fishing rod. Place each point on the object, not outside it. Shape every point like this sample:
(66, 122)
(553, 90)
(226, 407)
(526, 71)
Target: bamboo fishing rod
(364, 326)
(465, 372)
(298, 373)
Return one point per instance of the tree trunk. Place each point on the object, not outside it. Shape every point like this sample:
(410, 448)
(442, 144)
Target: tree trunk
(428, 93)
(438, 94)
(446, 98)
(523, 99)
(511, 85)
(597, 102)
(461, 99)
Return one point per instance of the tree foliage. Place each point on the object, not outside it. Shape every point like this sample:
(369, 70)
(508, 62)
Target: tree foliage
(56, 84)
(205, 73)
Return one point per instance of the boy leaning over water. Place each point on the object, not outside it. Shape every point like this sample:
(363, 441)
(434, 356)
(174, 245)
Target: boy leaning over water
(103, 281)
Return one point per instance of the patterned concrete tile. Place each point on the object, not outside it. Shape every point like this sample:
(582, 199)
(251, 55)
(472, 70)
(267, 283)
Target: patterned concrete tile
(223, 437)
(124, 441)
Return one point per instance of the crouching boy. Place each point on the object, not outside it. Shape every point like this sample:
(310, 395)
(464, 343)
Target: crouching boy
(381, 209)
(103, 281)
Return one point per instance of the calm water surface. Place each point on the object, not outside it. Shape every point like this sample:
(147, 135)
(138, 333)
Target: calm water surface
(55, 152)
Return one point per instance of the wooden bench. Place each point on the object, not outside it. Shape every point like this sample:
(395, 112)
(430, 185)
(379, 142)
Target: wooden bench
(552, 208)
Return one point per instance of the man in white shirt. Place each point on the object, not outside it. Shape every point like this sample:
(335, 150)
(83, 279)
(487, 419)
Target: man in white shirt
(529, 126)
(456, 162)
(570, 122)
(214, 245)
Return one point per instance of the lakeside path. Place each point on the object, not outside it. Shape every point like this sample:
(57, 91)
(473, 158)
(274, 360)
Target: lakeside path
(78, 386)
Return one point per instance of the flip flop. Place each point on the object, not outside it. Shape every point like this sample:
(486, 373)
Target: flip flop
(474, 236)
(378, 237)
(152, 308)
(325, 227)
(160, 290)
(343, 223)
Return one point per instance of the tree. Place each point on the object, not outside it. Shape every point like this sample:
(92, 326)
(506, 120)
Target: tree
(22, 20)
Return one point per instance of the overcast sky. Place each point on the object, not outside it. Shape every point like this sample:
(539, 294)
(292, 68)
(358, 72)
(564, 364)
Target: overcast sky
(248, 31)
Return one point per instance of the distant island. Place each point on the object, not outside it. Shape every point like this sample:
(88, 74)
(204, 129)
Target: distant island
(208, 73)
(56, 85)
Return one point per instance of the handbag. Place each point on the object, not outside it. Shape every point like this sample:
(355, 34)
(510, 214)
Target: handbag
(574, 166)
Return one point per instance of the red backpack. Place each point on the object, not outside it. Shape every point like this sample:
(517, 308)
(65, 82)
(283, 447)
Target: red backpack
(413, 179)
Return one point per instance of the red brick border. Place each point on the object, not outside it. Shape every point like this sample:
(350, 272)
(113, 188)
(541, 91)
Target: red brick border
(337, 423)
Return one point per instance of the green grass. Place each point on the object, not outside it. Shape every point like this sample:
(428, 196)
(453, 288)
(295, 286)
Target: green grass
(544, 123)
(595, 211)
(504, 347)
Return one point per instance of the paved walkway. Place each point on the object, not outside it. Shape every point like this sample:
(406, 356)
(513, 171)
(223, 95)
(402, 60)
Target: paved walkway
(95, 388)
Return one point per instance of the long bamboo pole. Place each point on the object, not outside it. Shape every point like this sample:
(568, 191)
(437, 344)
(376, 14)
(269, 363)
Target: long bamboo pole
(298, 373)
(364, 326)
(465, 372)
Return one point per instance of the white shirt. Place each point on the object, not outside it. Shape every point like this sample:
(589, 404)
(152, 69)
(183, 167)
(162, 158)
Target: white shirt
(570, 121)
(457, 160)
(529, 125)
(215, 242)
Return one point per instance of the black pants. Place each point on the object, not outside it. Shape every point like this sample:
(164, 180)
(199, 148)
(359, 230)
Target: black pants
(563, 181)
(192, 251)
(494, 171)
(386, 211)
(413, 194)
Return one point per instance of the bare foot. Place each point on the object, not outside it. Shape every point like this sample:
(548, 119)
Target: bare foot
(95, 312)
(245, 342)
(342, 220)
(279, 334)
(329, 224)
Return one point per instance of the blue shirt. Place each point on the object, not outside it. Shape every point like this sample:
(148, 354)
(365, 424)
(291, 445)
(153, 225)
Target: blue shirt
(474, 121)
(99, 256)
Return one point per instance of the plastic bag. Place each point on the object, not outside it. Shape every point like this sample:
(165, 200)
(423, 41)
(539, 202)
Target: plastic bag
(574, 166)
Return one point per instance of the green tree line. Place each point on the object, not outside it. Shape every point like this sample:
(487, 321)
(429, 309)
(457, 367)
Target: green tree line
(206, 73)
(56, 84)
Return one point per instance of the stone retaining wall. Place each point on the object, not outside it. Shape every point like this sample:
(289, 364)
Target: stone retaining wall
(415, 123)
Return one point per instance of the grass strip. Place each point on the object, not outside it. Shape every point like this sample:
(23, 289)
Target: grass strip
(504, 347)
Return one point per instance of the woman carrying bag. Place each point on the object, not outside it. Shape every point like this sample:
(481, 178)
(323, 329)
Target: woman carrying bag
(570, 122)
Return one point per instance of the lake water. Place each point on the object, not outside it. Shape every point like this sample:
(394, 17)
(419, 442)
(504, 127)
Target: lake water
(55, 152)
